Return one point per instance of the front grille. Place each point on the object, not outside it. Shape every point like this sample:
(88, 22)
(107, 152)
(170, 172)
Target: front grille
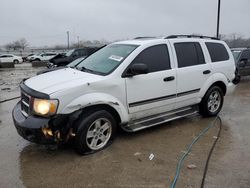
(25, 104)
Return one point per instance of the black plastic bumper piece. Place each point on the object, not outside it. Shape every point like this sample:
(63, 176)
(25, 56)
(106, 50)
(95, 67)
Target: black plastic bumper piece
(236, 80)
(30, 128)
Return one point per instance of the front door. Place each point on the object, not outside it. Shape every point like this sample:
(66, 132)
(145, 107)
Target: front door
(154, 92)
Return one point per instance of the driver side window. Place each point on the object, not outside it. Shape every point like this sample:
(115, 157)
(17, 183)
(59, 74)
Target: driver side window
(156, 58)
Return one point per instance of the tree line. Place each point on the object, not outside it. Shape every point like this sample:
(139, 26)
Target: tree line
(234, 40)
(20, 44)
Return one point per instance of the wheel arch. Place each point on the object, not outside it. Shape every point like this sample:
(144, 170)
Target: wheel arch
(98, 101)
(217, 79)
(106, 107)
(221, 85)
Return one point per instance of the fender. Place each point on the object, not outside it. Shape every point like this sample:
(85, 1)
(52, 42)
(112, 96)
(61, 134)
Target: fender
(95, 99)
(210, 81)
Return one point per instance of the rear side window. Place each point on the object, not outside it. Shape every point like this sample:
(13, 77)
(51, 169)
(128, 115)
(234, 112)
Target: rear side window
(217, 51)
(189, 54)
(155, 57)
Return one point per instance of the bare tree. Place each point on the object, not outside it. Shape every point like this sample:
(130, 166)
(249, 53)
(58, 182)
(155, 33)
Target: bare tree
(236, 40)
(23, 43)
(8, 46)
(18, 44)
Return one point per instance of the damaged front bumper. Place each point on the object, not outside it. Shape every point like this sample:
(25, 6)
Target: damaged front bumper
(41, 130)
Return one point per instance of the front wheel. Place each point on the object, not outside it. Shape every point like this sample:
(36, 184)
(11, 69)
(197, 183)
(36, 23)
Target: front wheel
(95, 132)
(212, 102)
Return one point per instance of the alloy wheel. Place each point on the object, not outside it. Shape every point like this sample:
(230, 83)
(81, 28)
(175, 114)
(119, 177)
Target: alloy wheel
(98, 133)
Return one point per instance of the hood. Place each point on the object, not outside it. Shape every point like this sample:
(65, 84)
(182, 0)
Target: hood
(58, 80)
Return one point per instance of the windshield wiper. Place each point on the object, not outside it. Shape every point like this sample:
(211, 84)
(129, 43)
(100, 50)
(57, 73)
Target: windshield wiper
(84, 69)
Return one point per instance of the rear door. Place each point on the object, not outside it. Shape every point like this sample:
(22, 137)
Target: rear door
(7, 58)
(221, 58)
(2, 58)
(192, 72)
(155, 92)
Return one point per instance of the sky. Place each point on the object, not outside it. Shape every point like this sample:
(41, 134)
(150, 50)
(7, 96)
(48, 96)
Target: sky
(45, 22)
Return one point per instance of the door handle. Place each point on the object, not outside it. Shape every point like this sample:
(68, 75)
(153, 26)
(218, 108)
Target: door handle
(167, 79)
(206, 72)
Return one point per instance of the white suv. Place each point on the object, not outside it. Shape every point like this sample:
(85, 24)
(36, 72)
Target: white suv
(132, 84)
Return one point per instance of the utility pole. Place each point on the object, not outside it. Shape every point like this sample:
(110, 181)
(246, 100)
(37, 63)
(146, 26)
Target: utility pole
(218, 20)
(68, 38)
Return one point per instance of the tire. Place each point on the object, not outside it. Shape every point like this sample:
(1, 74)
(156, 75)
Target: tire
(91, 136)
(212, 102)
(16, 61)
(37, 59)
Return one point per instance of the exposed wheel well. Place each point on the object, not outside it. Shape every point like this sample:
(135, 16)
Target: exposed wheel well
(221, 85)
(106, 107)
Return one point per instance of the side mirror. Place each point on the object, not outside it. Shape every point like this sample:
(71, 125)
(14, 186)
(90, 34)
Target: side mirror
(137, 69)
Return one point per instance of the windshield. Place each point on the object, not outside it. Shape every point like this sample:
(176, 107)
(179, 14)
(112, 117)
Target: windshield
(69, 53)
(236, 54)
(107, 59)
(75, 62)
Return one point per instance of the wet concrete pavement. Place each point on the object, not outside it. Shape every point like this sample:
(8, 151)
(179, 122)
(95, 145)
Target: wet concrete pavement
(126, 162)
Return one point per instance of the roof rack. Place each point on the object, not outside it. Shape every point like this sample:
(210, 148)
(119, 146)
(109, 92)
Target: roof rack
(136, 38)
(191, 36)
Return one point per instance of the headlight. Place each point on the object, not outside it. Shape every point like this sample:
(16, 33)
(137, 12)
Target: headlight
(45, 107)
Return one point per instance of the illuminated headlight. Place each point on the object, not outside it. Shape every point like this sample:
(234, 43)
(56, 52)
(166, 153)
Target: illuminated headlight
(45, 107)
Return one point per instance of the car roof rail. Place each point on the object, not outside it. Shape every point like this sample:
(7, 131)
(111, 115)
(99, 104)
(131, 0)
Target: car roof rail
(138, 38)
(190, 36)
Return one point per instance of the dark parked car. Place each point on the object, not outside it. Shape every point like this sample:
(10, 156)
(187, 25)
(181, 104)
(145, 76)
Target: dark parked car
(26, 58)
(242, 59)
(70, 56)
(73, 64)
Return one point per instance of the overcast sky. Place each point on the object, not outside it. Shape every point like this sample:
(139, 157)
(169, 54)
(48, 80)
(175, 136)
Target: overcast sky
(45, 22)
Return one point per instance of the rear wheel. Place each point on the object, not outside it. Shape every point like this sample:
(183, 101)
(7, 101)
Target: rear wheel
(37, 59)
(95, 132)
(16, 61)
(212, 102)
